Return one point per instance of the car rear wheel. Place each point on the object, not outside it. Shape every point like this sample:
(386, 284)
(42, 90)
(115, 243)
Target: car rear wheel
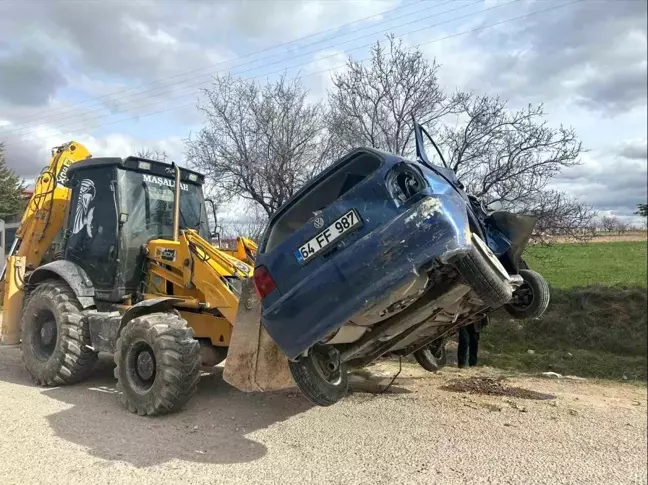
(484, 273)
(432, 358)
(320, 375)
(531, 299)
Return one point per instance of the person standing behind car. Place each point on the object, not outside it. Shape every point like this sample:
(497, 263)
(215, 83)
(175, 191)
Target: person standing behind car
(469, 343)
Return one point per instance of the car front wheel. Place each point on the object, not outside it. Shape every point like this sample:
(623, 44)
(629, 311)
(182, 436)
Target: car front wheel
(531, 299)
(432, 357)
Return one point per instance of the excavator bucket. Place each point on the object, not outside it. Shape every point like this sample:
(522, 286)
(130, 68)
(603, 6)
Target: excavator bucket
(254, 362)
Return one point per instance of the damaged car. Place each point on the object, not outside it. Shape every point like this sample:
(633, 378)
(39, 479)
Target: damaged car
(380, 254)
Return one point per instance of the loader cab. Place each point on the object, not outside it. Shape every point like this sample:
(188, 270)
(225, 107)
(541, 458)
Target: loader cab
(117, 206)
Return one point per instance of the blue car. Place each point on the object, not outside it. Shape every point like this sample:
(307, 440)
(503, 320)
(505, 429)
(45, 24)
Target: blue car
(379, 254)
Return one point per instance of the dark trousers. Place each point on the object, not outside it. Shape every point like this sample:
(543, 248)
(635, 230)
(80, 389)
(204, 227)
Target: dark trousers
(468, 344)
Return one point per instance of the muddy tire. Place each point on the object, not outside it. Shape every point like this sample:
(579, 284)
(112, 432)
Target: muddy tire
(55, 336)
(320, 385)
(485, 275)
(432, 359)
(531, 299)
(157, 364)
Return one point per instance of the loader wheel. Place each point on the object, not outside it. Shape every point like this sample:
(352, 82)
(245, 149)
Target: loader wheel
(55, 336)
(432, 358)
(158, 364)
(320, 375)
(483, 272)
(531, 299)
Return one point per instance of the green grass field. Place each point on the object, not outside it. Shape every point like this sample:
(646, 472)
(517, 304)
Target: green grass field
(581, 265)
(596, 322)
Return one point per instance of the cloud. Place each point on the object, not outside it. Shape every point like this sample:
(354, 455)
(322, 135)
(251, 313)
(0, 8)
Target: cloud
(273, 21)
(28, 78)
(609, 182)
(587, 61)
(31, 155)
(592, 53)
(636, 149)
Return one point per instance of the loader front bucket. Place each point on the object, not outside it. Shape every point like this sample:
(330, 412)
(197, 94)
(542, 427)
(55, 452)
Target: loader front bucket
(254, 362)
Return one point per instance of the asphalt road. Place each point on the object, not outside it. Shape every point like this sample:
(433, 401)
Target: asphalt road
(592, 433)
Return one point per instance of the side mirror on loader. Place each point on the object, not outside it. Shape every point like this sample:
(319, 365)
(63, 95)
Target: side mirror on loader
(213, 232)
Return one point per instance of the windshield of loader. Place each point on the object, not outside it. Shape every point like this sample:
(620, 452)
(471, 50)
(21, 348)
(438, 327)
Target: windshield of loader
(148, 201)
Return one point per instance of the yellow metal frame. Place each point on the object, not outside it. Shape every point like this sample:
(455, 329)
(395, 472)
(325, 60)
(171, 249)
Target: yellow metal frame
(41, 222)
(197, 272)
(246, 250)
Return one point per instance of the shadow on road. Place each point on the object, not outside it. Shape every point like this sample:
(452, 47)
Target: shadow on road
(212, 428)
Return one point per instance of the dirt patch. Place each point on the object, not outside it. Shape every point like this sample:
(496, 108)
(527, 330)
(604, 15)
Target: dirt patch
(602, 238)
(493, 387)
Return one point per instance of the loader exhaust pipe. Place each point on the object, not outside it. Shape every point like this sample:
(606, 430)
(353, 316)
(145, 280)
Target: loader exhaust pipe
(176, 203)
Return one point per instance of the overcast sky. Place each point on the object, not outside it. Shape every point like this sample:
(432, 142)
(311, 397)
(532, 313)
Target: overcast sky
(119, 76)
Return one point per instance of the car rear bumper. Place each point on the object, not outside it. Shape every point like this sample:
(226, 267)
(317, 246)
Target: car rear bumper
(436, 228)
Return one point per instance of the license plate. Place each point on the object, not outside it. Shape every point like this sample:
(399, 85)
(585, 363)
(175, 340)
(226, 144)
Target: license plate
(345, 224)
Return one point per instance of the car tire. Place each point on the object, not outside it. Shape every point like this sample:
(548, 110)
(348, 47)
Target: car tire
(530, 300)
(55, 337)
(319, 385)
(430, 358)
(157, 364)
(485, 275)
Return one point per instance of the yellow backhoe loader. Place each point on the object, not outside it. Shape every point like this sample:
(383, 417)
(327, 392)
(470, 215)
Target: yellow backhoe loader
(112, 255)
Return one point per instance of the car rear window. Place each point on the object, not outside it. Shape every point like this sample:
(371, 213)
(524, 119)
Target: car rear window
(321, 195)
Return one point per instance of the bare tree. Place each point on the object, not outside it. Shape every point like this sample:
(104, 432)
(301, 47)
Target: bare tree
(501, 155)
(507, 156)
(609, 223)
(510, 157)
(373, 105)
(559, 215)
(153, 154)
(260, 143)
(623, 226)
(249, 222)
(593, 227)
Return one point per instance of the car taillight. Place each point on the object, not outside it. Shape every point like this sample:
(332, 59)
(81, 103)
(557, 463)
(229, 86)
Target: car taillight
(403, 182)
(263, 281)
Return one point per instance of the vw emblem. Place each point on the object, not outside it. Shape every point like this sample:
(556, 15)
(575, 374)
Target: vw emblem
(319, 223)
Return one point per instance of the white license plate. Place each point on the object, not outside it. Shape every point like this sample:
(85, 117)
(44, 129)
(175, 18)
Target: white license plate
(328, 236)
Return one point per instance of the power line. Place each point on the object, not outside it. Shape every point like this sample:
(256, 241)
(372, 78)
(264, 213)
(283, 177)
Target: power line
(19, 131)
(184, 73)
(477, 29)
(135, 97)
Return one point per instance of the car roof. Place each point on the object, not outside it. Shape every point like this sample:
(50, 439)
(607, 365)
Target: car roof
(390, 158)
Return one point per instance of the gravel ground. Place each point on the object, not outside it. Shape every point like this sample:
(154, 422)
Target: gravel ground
(415, 433)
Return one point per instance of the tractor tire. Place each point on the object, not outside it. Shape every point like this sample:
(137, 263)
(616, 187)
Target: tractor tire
(530, 300)
(431, 359)
(55, 336)
(157, 364)
(319, 385)
(481, 270)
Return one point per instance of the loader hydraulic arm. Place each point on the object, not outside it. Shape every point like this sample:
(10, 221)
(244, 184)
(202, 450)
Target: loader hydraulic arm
(200, 270)
(246, 249)
(41, 222)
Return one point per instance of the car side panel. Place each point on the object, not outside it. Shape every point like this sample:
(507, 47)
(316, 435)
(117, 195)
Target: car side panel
(434, 228)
